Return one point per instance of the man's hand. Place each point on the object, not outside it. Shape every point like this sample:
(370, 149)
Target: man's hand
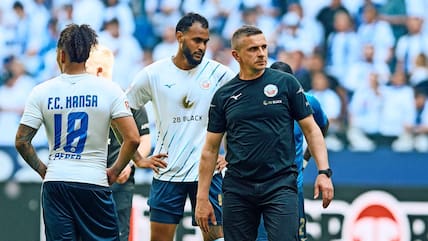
(324, 184)
(221, 163)
(153, 162)
(124, 175)
(204, 211)
(112, 175)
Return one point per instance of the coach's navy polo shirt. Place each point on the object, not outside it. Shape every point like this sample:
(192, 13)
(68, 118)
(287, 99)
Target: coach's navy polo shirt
(258, 119)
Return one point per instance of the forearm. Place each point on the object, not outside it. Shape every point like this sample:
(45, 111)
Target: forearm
(126, 153)
(145, 146)
(317, 147)
(26, 150)
(206, 169)
(307, 154)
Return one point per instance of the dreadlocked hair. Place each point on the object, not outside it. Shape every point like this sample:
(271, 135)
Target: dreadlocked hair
(77, 41)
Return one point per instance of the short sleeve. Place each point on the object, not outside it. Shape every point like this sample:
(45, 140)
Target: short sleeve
(300, 107)
(216, 115)
(120, 105)
(32, 115)
(142, 121)
(139, 91)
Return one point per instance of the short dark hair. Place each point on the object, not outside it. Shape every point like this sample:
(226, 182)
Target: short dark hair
(282, 66)
(188, 20)
(17, 5)
(246, 30)
(77, 41)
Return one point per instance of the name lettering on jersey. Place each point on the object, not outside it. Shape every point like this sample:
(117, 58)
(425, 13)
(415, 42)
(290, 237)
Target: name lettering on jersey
(186, 118)
(74, 101)
(62, 156)
(272, 102)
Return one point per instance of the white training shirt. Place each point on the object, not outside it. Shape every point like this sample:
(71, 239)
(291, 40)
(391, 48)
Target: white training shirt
(181, 100)
(76, 111)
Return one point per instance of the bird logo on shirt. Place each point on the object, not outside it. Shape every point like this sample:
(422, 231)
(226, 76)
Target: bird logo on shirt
(187, 103)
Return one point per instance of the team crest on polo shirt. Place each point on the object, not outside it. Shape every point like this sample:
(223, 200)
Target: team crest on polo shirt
(205, 84)
(270, 90)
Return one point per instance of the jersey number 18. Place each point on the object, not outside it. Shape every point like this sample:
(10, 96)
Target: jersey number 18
(77, 128)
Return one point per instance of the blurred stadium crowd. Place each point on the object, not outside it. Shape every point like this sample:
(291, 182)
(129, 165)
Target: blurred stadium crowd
(366, 61)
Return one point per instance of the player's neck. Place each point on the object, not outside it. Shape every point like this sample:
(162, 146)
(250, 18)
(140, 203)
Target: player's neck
(74, 68)
(180, 61)
(247, 74)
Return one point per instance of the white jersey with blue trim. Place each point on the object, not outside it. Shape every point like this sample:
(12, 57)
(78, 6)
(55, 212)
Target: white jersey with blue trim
(181, 100)
(76, 111)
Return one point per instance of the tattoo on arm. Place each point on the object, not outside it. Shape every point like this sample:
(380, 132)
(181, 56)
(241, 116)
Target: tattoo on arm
(23, 144)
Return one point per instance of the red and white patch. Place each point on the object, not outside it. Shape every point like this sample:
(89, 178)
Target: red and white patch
(270, 90)
(205, 84)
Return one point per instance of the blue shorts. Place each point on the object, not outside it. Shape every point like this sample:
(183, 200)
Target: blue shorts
(79, 211)
(167, 200)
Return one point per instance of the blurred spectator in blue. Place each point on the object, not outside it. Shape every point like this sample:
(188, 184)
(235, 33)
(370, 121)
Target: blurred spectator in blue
(377, 33)
(64, 14)
(316, 63)
(88, 12)
(309, 25)
(121, 11)
(398, 111)
(217, 12)
(289, 35)
(364, 115)
(418, 8)
(343, 47)
(162, 13)
(411, 45)
(326, 16)
(126, 49)
(361, 71)
(419, 129)
(331, 104)
(295, 59)
(249, 16)
(167, 46)
(419, 75)
(13, 94)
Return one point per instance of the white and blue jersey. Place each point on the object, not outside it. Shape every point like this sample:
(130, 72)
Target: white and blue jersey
(76, 111)
(180, 99)
(321, 120)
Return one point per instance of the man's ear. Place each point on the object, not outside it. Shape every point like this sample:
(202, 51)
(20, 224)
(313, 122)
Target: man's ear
(179, 36)
(236, 55)
(62, 56)
(99, 71)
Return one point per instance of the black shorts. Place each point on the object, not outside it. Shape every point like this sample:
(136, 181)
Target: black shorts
(244, 202)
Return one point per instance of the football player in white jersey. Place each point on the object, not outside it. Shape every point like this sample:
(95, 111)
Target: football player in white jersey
(77, 109)
(100, 63)
(180, 89)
